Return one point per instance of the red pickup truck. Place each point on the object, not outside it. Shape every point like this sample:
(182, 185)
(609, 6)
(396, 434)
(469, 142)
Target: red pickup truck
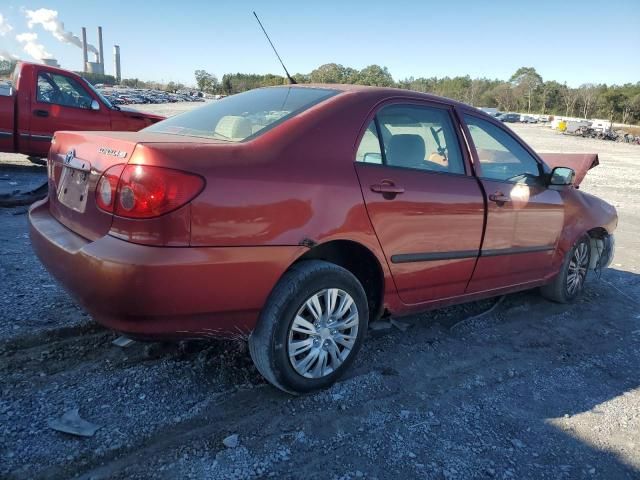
(44, 99)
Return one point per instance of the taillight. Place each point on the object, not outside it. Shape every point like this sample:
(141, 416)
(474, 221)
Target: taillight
(107, 186)
(147, 191)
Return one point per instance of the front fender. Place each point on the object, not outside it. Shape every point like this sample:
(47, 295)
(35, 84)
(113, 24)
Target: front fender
(583, 213)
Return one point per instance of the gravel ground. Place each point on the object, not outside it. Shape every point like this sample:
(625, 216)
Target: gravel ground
(532, 390)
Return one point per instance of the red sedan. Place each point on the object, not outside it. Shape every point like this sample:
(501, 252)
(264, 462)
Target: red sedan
(298, 214)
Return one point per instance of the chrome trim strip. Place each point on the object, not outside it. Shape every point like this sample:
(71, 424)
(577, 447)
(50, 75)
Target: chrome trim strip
(456, 255)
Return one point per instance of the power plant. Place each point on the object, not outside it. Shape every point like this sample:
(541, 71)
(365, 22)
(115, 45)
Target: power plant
(116, 62)
(98, 65)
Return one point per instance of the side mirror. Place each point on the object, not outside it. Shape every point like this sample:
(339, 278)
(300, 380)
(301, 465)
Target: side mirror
(95, 105)
(372, 158)
(562, 176)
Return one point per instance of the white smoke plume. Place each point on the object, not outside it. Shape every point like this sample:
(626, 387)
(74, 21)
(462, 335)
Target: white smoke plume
(4, 26)
(4, 55)
(31, 45)
(49, 21)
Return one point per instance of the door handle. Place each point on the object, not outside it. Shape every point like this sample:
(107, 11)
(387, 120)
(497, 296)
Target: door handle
(41, 113)
(499, 197)
(387, 188)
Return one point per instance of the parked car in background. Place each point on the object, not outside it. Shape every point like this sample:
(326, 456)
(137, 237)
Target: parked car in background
(490, 111)
(528, 119)
(509, 117)
(297, 215)
(45, 99)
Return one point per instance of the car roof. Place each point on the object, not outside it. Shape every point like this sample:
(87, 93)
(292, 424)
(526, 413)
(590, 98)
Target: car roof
(381, 92)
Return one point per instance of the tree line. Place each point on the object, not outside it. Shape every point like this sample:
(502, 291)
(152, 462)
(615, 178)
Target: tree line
(525, 91)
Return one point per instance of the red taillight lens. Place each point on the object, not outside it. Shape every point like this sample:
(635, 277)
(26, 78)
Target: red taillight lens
(107, 187)
(146, 191)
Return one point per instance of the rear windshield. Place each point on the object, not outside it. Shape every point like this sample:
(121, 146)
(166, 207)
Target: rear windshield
(238, 117)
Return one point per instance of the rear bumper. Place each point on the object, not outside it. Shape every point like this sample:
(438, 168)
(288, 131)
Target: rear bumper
(149, 291)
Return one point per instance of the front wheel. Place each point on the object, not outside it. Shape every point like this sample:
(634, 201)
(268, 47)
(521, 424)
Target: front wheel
(311, 327)
(569, 283)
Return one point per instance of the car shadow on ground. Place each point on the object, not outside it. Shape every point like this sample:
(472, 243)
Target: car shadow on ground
(534, 389)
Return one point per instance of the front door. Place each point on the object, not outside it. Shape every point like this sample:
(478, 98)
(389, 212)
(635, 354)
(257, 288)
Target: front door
(62, 103)
(426, 208)
(524, 217)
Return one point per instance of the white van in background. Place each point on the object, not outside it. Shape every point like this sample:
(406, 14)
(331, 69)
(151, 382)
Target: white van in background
(601, 125)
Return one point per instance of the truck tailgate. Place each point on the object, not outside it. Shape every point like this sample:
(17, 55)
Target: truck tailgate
(7, 108)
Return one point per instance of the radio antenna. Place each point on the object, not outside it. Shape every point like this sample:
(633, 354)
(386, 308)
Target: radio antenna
(291, 80)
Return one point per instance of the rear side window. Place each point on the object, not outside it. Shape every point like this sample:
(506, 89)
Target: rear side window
(244, 115)
(501, 156)
(369, 148)
(417, 137)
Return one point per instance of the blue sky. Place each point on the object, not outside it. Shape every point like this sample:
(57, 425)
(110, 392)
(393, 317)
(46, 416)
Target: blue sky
(576, 42)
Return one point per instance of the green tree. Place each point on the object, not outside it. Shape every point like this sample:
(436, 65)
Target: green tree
(6, 67)
(504, 96)
(527, 80)
(375, 75)
(227, 86)
(328, 73)
(613, 101)
(206, 82)
(549, 93)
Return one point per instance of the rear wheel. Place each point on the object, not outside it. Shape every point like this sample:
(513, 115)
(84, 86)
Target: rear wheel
(311, 327)
(569, 283)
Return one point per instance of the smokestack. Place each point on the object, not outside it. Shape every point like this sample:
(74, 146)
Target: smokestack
(116, 61)
(100, 50)
(85, 55)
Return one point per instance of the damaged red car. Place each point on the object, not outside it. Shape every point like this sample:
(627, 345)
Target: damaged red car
(296, 215)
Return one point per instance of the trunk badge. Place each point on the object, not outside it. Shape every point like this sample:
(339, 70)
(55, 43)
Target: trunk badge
(112, 152)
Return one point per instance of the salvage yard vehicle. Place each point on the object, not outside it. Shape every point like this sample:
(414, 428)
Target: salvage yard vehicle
(45, 99)
(509, 117)
(296, 215)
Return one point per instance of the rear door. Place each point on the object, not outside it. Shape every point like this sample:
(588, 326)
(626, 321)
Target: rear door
(61, 103)
(426, 208)
(524, 217)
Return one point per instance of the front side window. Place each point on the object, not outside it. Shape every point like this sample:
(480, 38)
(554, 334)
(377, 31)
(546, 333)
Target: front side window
(419, 137)
(62, 90)
(243, 115)
(501, 156)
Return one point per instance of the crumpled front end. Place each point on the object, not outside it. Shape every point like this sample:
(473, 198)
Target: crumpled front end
(581, 163)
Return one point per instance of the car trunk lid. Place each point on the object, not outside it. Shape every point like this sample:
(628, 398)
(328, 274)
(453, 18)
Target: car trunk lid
(77, 160)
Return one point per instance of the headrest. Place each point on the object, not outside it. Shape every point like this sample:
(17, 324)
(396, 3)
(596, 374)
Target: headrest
(406, 149)
(234, 127)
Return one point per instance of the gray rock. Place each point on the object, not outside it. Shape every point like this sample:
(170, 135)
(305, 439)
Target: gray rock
(232, 441)
(72, 424)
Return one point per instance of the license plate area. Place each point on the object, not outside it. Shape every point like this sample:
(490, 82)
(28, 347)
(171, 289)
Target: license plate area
(73, 187)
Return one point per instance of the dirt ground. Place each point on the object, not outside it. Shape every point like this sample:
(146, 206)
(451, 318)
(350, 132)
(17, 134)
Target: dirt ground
(531, 390)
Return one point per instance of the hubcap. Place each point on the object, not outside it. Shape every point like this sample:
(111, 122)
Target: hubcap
(577, 269)
(323, 333)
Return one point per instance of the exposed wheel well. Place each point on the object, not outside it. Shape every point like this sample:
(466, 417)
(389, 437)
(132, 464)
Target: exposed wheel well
(597, 232)
(599, 253)
(360, 261)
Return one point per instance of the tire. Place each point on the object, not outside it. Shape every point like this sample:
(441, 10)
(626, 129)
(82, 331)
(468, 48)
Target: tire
(569, 283)
(288, 322)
